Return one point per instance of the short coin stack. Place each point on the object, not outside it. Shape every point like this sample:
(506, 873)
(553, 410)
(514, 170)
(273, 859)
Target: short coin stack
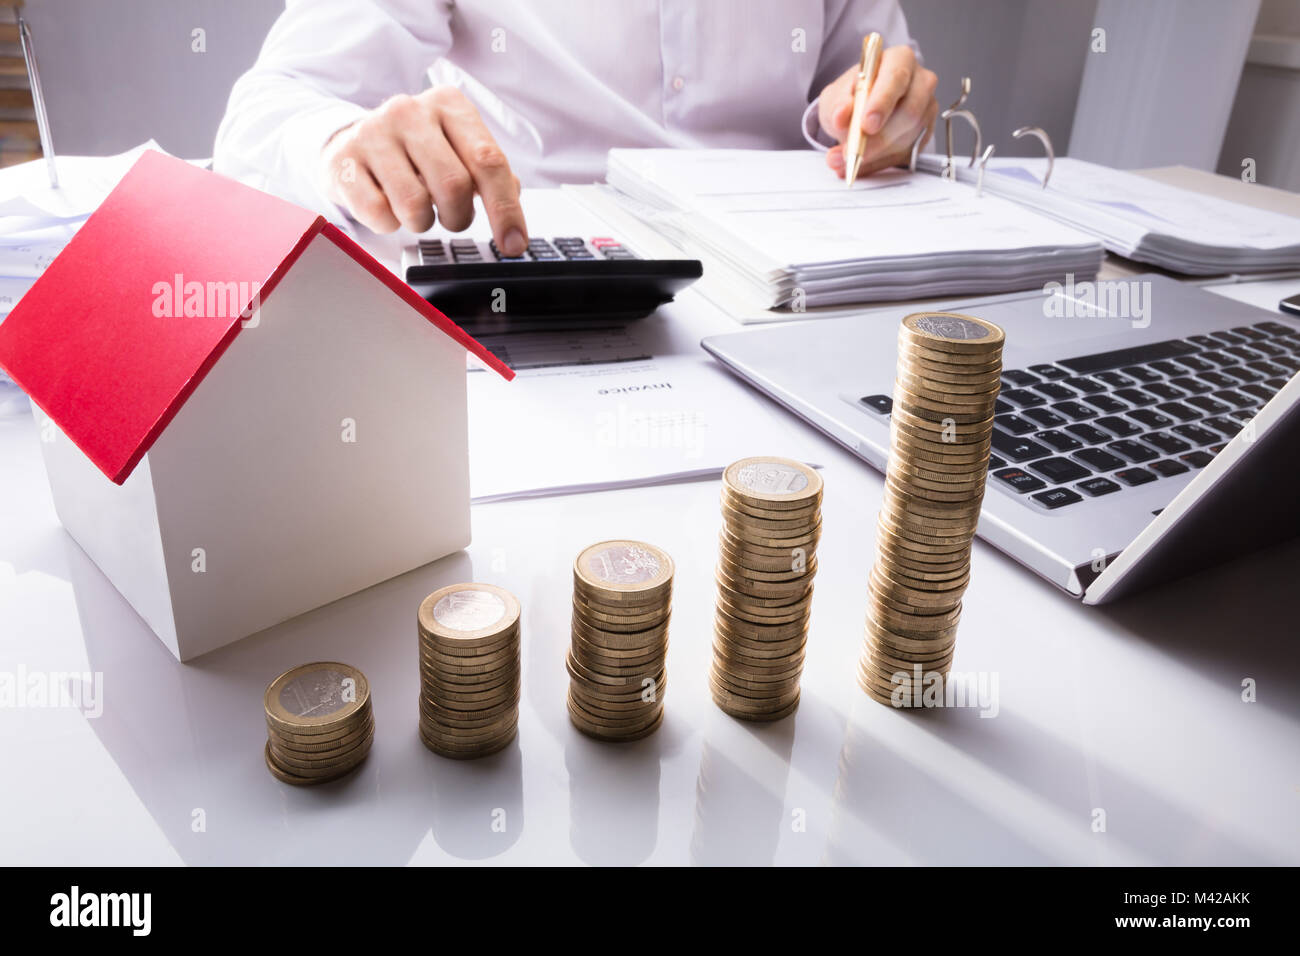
(469, 670)
(622, 599)
(949, 369)
(771, 522)
(319, 722)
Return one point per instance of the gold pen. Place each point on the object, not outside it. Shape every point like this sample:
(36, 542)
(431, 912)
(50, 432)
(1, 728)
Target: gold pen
(856, 144)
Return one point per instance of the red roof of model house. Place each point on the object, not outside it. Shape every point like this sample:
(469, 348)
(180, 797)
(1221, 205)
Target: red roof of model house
(88, 342)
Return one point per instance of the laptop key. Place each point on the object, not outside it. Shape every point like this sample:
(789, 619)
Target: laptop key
(1218, 380)
(1096, 487)
(1099, 459)
(1277, 328)
(1056, 391)
(1234, 398)
(1166, 443)
(1243, 374)
(1191, 385)
(1196, 435)
(1204, 341)
(1180, 411)
(996, 462)
(1218, 358)
(1168, 468)
(1168, 367)
(1260, 390)
(1249, 332)
(1227, 338)
(1018, 480)
(1059, 440)
(1135, 396)
(1015, 424)
(1049, 372)
(1087, 434)
(1023, 397)
(1001, 408)
(1018, 378)
(1108, 404)
(1058, 470)
(1267, 369)
(1119, 427)
(1193, 362)
(1276, 383)
(1150, 417)
(1018, 449)
(1142, 374)
(1197, 459)
(1228, 426)
(1114, 379)
(1055, 498)
(1164, 391)
(1134, 451)
(1045, 417)
(1269, 349)
(1244, 353)
(881, 404)
(1118, 358)
(1135, 476)
(1210, 406)
(1075, 411)
(1089, 386)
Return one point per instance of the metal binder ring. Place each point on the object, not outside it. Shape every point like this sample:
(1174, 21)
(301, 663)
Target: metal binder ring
(1039, 132)
(969, 117)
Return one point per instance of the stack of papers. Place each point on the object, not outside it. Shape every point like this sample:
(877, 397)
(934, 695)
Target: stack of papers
(37, 220)
(1153, 222)
(786, 231)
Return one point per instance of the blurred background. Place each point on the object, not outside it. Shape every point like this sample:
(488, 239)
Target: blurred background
(1203, 83)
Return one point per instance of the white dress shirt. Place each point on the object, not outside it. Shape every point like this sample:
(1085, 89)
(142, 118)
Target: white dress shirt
(558, 82)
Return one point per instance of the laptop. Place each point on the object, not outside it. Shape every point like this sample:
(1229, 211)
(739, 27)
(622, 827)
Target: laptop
(1145, 428)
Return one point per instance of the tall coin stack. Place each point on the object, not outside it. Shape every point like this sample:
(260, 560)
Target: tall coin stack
(771, 522)
(319, 723)
(622, 599)
(949, 370)
(469, 670)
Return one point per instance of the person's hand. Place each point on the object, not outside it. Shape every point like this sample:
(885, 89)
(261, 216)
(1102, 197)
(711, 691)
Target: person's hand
(416, 159)
(901, 104)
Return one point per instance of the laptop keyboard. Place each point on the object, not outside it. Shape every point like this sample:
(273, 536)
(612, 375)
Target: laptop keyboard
(1093, 425)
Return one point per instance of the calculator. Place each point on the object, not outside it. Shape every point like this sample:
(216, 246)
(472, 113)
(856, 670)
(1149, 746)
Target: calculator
(562, 282)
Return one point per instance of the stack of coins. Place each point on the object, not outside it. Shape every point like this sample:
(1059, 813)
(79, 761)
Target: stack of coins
(771, 522)
(469, 670)
(949, 370)
(622, 599)
(319, 722)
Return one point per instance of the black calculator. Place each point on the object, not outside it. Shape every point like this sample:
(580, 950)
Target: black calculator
(563, 282)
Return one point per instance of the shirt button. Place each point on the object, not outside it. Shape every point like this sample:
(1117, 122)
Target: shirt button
(678, 83)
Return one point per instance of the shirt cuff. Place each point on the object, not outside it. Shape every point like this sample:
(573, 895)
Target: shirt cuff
(304, 138)
(811, 127)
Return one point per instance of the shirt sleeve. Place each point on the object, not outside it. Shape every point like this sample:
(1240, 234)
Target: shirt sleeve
(324, 64)
(847, 22)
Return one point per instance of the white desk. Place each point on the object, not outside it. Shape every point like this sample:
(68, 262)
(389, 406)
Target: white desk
(1134, 710)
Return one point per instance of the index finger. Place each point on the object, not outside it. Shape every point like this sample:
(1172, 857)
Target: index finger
(892, 81)
(493, 178)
